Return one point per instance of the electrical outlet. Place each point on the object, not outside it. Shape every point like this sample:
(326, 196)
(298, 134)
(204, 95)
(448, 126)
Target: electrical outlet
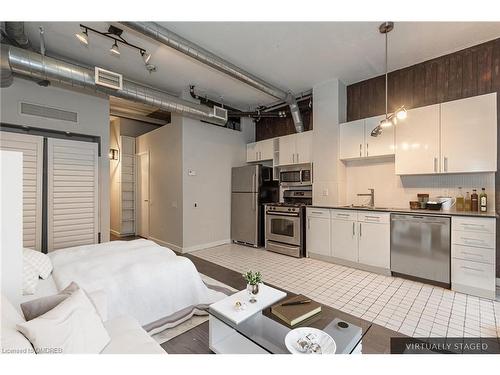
(191, 172)
(195, 204)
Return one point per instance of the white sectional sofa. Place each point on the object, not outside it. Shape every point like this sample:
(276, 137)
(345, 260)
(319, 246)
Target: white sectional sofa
(127, 336)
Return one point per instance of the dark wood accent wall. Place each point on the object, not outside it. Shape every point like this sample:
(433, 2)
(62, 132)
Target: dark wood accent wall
(469, 72)
(276, 127)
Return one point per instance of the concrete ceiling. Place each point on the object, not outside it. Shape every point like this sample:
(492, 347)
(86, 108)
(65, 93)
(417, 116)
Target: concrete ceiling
(290, 55)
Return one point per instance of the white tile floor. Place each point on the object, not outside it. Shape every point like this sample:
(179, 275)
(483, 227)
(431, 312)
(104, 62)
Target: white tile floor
(412, 308)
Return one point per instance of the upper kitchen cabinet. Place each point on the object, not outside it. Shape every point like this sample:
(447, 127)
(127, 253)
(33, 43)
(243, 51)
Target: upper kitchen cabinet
(417, 142)
(352, 139)
(295, 148)
(259, 151)
(356, 141)
(383, 144)
(469, 135)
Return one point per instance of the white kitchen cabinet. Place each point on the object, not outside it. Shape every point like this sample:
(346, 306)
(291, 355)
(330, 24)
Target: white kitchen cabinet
(418, 142)
(259, 151)
(295, 148)
(344, 240)
(252, 154)
(356, 140)
(469, 135)
(318, 232)
(303, 144)
(383, 144)
(473, 251)
(352, 139)
(374, 244)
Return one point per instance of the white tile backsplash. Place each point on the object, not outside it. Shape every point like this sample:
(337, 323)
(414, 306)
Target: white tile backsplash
(396, 191)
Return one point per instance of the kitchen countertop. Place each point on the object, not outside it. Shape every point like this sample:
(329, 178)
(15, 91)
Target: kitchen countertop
(490, 214)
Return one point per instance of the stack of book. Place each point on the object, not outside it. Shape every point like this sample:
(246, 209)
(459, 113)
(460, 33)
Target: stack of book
(296, 309)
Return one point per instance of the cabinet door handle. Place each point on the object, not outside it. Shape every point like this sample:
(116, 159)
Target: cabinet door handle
(445, 164)
(298, 157)
(308, 223)
(256, 155)
(317, 212)
(293, 158)
(360, 148)
(360, 230)
(353, 228)
(435, 165)
(367, 149)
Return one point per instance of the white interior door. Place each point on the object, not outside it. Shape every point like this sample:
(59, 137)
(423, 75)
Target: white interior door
(72, 193)
(143, 195)
(31, 147)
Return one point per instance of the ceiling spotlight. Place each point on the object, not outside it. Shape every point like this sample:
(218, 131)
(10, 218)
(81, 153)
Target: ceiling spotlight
(401, 113)
(115, 49)
(146, 57)
(83, 37)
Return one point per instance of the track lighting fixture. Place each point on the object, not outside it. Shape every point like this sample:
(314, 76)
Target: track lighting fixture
(400, 113)
(114, 33)
(83, 37)
(114, 49)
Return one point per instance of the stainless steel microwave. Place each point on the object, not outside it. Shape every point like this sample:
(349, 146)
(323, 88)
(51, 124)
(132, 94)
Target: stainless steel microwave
(296, 176)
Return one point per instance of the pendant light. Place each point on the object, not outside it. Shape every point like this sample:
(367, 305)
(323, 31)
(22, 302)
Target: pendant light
(400, 113)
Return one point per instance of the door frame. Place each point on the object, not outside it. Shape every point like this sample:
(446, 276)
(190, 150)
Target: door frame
(137, 163)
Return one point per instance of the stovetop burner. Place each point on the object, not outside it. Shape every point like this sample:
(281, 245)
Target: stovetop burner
(285, 204)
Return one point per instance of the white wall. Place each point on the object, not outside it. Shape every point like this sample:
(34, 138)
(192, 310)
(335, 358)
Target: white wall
(93, 115)
(11, 224)
(396, 191)
(165, 155)
(210, 151)
(114, 178)
(329, 108)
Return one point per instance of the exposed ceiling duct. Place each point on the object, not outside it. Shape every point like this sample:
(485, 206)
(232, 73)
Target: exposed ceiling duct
(171, 39)
(34, 66)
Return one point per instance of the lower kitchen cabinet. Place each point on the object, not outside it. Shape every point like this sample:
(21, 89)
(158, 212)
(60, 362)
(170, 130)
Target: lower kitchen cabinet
(344, 240)
(374, 245)
(318, 235)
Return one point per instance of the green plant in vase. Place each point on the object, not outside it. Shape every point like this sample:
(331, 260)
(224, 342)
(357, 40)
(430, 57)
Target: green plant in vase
(253, 279)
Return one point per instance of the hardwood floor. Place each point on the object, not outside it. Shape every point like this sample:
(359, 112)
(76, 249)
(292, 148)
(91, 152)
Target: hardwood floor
(194, 341)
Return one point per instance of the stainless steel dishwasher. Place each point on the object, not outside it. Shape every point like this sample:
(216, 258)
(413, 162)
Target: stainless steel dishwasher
(420, 246)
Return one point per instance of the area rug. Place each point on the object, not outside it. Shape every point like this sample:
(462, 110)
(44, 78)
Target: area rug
(195, 320)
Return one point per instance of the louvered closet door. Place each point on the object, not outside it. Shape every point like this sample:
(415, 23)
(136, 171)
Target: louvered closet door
(32, 148)
(72, 194)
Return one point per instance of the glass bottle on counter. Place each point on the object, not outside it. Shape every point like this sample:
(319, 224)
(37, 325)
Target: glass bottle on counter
(460, 200)
(474, 201)
(467, 202)
(483, 201)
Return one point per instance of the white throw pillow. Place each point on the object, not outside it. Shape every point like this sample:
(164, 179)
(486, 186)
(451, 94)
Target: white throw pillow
(30, 278)
(71, 327)
(39, 260)
(12, 341)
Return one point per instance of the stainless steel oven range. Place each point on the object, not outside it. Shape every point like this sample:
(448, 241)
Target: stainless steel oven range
(285, 223)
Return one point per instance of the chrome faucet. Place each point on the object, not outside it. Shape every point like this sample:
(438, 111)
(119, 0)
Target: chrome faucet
(371, 195)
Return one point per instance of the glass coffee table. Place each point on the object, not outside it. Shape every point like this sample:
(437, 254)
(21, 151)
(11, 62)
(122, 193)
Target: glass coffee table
(258, 331)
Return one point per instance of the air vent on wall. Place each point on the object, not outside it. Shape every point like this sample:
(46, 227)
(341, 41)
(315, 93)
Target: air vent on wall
(220, 113)
(48, 112)
(109, 79)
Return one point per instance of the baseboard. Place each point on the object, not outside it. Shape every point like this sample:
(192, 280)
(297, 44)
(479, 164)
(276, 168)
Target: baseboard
(118, 234)
(205, 246)
(166, 244)
(115, 232)
(347, 263)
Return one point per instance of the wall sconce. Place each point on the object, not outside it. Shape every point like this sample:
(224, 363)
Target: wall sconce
(113, 154)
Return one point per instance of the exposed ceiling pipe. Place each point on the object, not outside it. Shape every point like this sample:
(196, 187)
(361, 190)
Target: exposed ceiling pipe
(15, 32)
(34, 66)
(173, 40)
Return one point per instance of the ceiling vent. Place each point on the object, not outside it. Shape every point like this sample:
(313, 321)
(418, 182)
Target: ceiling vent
(48, 112)
(220, 113)
(109, 79)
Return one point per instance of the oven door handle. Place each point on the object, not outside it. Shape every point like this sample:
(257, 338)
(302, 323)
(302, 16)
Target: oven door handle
(282, 214)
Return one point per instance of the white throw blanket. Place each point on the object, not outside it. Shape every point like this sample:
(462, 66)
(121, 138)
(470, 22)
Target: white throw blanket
(140, 278)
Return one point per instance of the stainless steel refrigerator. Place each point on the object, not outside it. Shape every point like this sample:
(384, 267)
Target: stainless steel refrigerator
(251, 187)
